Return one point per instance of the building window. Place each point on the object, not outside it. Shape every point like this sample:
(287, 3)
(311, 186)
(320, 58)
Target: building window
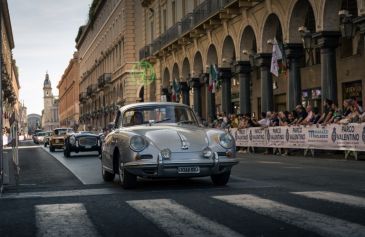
(152, 31)
(312, 97)
(164, 20)
(352, 90)
(173, 12)
(183, 7)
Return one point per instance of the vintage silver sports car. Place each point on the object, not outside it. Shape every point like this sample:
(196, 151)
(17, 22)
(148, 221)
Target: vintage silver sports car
(163, 139)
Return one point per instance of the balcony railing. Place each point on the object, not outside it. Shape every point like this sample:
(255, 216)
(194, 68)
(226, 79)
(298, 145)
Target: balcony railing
(201, 13)
(145, 52)
(104, 80)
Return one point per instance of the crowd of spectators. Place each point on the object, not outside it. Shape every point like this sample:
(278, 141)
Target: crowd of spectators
(351, 112)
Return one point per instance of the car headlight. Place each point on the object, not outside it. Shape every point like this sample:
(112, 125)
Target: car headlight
(207, 152)
(72, 140)
(137, 143)
(226, 140)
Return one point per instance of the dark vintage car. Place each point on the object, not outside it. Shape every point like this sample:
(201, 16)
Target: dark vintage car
(82, 142)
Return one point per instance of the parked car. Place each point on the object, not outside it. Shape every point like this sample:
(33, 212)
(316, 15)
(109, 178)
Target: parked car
(57, 139)
(82, 142)
(35, 134)
(165, 140)
(46, 138)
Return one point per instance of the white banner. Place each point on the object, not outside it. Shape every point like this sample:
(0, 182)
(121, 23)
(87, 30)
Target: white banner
(331, 137)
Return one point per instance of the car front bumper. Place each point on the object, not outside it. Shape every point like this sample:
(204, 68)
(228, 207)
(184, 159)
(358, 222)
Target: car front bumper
(216, 165)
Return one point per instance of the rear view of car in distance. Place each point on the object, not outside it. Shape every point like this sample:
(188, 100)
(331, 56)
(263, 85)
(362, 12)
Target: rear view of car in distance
(40, 137)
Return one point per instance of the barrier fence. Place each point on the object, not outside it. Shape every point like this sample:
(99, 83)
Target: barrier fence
(350, 137)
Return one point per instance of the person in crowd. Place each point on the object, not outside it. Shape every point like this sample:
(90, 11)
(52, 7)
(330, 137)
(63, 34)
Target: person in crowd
(265, 121)
(328, 112)
(316, 116)
(292, 116)
(283, 119)
(346, 107)
(274, 120)
(337, 113)
(309, 117)
(301, 114)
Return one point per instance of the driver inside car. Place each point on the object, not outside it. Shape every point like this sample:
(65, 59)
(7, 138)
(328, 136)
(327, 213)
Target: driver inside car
(137, 118)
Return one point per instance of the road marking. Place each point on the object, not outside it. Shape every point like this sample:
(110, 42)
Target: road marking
(66, 193)
(335, 197)
(63, 220)
(177, 220)
(311, 221)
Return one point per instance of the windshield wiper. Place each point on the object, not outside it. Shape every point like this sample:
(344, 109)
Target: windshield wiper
(185, 122)
(163, 120)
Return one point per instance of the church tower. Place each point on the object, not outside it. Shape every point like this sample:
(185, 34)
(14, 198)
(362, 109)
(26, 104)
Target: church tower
(48, 103)
(47, 93)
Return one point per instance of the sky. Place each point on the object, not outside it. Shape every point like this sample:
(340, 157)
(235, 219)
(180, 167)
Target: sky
(44, 34)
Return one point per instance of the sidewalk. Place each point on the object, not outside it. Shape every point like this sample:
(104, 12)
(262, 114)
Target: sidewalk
(38, 170)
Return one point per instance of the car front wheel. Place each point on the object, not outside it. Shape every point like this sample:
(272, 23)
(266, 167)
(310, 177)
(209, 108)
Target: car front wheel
(67, 152)
(107, 176)
(51, 148)
(220, 179)
(127, 180)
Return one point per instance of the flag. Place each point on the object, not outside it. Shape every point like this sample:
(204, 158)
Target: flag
(276, 55)
(213, 76)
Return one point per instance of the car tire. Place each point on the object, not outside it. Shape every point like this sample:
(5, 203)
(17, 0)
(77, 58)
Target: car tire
(107, 176)
(127, 180)
(221, 179)
(51, 148)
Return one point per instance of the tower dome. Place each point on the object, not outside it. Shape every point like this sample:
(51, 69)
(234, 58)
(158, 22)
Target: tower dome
(47, 82)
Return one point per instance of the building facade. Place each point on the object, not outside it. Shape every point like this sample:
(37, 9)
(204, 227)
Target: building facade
(10, 77)
(50, 115)
(68, 90)
(185, 39)
(107, 53)
(34, 122)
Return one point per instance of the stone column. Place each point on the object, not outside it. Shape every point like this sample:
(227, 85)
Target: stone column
(263, 61)
(293, 54)
(328, 42)
(210, 102)
(243, 70)
(226, 76)
(185, 92)
(197, 96)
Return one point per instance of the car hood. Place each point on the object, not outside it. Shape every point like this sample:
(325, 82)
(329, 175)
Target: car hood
(176, 138)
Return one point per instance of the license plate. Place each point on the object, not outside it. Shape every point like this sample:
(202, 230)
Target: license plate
(188, 170)
(87, 147)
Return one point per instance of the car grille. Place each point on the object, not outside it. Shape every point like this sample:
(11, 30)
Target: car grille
(88, 141)
(57, 141)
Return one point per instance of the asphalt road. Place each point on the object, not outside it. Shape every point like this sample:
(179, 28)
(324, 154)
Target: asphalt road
(266, 196)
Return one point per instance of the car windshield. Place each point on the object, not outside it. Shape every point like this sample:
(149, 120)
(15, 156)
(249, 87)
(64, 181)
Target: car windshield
(41, 134)
(61, 131)
(158, 114)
